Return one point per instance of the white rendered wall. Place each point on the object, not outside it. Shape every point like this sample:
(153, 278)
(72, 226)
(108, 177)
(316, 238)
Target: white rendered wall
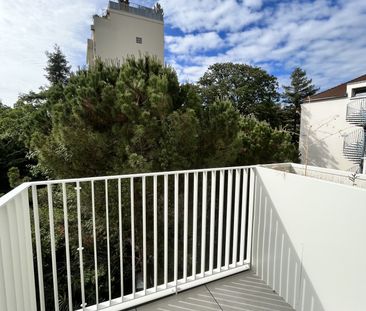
(115, 36)
(323, 228)
(322, 125)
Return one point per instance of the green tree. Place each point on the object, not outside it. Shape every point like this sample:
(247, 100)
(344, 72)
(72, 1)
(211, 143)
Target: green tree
(294, 95)
(261, 144)
(108, 120)
(251, 90)
(58, 68)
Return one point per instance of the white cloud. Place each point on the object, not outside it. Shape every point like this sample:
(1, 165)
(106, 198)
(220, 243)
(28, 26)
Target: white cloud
(194, 43)
(28, 29)
(325, 38)
(209, 15)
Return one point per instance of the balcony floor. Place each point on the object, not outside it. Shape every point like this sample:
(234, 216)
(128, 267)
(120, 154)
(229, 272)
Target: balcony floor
(243, 291)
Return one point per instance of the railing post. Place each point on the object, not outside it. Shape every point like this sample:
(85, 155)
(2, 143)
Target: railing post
(252, 185)
(17, 284)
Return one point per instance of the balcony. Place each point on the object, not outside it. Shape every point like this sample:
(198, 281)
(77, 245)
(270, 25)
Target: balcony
(136, 9)
(356, 111)
(235, 238)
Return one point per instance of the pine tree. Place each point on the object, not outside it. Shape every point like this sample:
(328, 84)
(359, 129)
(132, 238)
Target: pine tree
(58, 68)
(294, 95)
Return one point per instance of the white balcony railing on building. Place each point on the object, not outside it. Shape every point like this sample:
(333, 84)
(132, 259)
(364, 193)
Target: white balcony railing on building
(115, 242)
(356, 111)
(137, 10)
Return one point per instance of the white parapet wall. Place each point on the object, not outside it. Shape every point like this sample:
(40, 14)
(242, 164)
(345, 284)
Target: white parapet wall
(308, 240)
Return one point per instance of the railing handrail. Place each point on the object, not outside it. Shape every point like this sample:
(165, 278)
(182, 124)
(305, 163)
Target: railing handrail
(358, 97)
(13, 193)
(136, 175)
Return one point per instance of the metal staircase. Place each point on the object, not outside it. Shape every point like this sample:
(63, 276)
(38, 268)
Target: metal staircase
(356, 112)
(354, 143)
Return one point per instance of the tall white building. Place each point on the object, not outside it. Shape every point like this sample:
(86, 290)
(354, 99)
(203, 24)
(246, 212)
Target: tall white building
(333, 127)
(126, 30)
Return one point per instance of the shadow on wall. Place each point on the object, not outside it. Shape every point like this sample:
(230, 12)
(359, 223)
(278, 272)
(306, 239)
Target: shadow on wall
(318, 154)
(274, 257)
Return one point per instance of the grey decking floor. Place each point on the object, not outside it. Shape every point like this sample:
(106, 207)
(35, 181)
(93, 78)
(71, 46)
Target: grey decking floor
(243, 291)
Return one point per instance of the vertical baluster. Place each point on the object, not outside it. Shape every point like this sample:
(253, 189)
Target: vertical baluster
(212, 219)
(67, 245)
(29, 281)
(250, 212)
(144, 231)
(120, 236)
(221, 211)
(176, 192)
(108, 243)
(53, 247)
(185, 238)
(166, 230)
(133, 237)
(243, 215)
(81, 261)
(203, 232)
(38, 248)
(236, 218)
(95, 247)
(194, 242)
(228, 218)
(155, 233)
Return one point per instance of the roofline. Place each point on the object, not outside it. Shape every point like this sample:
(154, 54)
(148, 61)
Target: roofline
(338, 85)
(323, 98)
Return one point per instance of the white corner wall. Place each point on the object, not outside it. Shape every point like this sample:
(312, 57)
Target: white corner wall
(308, 240)
(323, 124)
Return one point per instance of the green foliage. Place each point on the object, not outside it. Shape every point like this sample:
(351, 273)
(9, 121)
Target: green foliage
(262, 144)
(57, 69)
(251, 90)
(294, 95)
(137, 117)
(13, 150)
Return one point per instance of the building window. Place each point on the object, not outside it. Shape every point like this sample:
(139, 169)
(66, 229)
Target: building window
(138, 40)
(359, 92)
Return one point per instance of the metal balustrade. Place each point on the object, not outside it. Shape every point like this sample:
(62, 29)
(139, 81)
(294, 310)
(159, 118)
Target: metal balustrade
(137, 10)
(356, 112)
(111, 243)
(354, 145)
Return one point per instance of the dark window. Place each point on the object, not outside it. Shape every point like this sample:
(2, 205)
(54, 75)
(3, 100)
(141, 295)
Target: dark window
(361, 91)
(138, 40)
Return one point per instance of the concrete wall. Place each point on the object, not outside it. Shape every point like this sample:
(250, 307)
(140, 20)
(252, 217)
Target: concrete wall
(322, 125)
(318, 230)
(340, 177)
(115, 36)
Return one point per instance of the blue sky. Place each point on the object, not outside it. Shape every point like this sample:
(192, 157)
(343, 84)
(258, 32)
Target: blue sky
(326, 38)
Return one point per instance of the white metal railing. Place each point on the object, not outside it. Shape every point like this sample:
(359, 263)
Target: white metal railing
(137, 10)
(118, 241)
(354, 145)
(356, 111)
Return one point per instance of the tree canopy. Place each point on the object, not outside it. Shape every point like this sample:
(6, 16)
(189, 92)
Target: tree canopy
(135, 117)
(294, 95)
(58, 68)
(251, 89)
(140, 118)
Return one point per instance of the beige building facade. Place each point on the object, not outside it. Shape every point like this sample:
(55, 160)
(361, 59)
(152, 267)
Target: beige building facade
(333, 127)
(126, 30)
